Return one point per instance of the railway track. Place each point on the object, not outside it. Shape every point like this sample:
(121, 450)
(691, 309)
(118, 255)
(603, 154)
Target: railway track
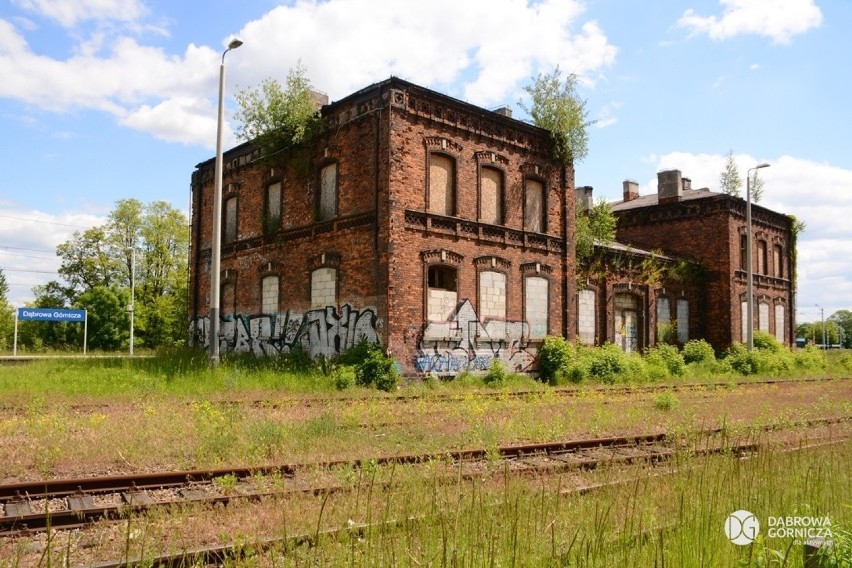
(402, 398)
(73, 503)
(222, 554)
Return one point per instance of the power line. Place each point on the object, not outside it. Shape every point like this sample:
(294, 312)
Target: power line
(23, 248)
(29, 256)
(24, 270)
(45, 222)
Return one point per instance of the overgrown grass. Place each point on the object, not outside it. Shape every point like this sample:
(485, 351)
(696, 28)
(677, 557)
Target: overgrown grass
(417, 516)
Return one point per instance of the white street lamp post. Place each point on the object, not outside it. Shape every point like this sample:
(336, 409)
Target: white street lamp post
(749, 266)
(216, 245)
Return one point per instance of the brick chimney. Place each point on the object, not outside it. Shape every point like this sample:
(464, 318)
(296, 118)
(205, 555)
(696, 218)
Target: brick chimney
(631, 190)
(504, 110)
(669, 186)
(583, 198)
(687, 183)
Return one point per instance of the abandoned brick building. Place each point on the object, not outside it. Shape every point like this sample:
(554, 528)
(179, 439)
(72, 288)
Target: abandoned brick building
(432, 226)
(445, 232)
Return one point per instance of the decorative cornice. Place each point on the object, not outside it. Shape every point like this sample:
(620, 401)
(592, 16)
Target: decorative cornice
(440, 256)
(492, 157)
(492, 261)
(536, 269)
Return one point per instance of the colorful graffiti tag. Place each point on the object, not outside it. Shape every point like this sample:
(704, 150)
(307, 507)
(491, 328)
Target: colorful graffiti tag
(463, 343)
(324, 331)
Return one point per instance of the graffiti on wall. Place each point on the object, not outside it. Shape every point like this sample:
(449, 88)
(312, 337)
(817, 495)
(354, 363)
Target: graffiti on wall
(323, 331)
(463, 343)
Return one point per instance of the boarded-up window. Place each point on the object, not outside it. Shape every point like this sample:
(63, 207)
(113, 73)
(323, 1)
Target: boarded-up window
(534, 206)
(323, 287)
(743, 252)
(586, 317)
(627, 322)
(745, 321)
(664, 316)
(491, 196)
(778, 261)
(441, 184)
(683, 320)
(492, 295)
(230, 232)
(442, 293)
(272, 208)
(228, 299)
(761, 258)
(269, 295)
(763, 317)
(327, 207)
(535, 305)
(780, 323)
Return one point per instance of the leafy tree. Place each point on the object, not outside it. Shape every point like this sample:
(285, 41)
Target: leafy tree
(36, 335)
(556, 106)
(124, 224)
(595, 225)
(812, 331)
(86, 261)
(843, 319)
(278, 118)
(730, 181)
(108, 319)
(98, 266)
(7, 315)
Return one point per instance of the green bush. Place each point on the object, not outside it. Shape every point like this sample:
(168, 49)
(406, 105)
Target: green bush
(668, 357)
(357, 354)
(844, 361)
(496, 374)
(377, 370)
(344, 377)
(608, 363)
(767, 342)
(698, 351)
(665, 401)
(812, 358)
(742, 360)
(554, 359)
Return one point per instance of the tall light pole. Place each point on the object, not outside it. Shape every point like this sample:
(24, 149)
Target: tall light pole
(749, 267)
(216, 245)
(822, 317)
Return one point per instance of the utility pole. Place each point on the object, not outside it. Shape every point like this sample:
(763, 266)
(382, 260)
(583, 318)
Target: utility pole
(822, 317)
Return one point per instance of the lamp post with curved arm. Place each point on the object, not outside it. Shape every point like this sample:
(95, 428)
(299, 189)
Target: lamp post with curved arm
(749, 267)
(216, 245)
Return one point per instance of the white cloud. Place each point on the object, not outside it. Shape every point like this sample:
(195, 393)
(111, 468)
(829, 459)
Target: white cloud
(776, 19)
(817, 193)
(487, 50)
(606, 116)
(28, 240)
(69, 13)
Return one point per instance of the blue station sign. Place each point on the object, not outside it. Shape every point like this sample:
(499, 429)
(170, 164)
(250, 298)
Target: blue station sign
(51, 314)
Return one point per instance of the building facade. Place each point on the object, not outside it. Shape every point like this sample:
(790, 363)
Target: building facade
(708, 229)
(436, 228)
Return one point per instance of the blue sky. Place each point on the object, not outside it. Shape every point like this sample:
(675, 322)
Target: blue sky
(108, 99)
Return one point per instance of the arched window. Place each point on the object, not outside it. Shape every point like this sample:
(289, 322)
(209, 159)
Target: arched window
(491, 196)
(228, 299)
(327, 202)
(534, 206)
(229, 233)
(780, 324)
(269, 295)
(536, 302)
(272, 208)
(442, 296)
(586, 320)
(441, 199)
(682, 320)
(492, 295)
(627, 322)
(763, 317)
(664, 317)
(324, 287)
(762, 265)
(778, 261)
